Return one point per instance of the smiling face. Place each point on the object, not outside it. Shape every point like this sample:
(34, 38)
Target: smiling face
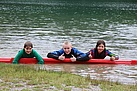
(28, 49)
(67, 47)
(100, 48)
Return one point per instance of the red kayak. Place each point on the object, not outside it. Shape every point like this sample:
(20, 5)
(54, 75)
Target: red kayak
(54, 61)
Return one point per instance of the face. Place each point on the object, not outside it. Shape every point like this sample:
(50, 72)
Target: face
(100, 48)
(28, 49)
(67, 48)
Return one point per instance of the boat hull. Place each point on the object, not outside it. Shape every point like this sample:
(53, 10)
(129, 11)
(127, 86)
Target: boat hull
(54, 61)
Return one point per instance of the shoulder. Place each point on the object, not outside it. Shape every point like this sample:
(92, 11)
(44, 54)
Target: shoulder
(92, 50)
(107, 50)
(74, 49)
(61, 51)
(21, 51)
(34, 51)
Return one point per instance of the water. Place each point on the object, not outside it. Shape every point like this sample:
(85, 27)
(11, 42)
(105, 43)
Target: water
(47, 23)
(125, 74)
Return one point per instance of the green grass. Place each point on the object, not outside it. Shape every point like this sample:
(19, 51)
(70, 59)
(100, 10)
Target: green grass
(27, 76)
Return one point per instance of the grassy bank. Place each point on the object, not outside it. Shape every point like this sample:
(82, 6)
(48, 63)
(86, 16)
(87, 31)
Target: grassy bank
(28, 78)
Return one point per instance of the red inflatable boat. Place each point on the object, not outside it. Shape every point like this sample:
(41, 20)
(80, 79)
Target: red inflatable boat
(54, 61)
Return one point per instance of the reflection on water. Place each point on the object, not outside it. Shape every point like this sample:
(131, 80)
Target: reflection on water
(126, 74)
(47, 23)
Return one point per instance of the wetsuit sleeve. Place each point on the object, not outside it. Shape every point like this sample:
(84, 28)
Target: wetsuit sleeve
(17, 57)
(111, 54)
(85, 58)
(80, 55)
(38, 57)
(51, 55)
(55, 54)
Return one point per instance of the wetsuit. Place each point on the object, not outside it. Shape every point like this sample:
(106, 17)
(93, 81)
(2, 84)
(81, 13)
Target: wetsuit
(80, 56)
(102, 55)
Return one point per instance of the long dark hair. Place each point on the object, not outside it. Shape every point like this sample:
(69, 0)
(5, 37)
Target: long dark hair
(101, 55)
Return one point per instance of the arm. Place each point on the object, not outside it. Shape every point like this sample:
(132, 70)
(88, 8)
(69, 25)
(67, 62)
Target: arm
(85, 58)
(80, 55)
(90, 54)
(17, 57)
(111, 55)
(51, 55)
(55, 54)
(38, 57)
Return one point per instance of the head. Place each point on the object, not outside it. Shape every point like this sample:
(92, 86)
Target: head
(67, 46)
(28, 47)
(100, 46)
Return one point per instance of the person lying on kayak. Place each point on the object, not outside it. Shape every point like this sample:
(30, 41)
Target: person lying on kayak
(68, 51)
(28, 52)
(100, 52)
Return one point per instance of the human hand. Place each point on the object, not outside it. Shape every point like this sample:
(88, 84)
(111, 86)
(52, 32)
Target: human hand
(112, 58)
(73, 59)
(90, 56)
(61, 57)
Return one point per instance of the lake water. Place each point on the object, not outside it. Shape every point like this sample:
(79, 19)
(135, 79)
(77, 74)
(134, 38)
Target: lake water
(48, 23)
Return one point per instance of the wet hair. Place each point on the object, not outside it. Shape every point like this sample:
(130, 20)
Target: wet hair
(28, 43)
(100, 42)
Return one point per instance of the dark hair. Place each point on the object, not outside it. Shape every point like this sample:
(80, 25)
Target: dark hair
(100, 42)
(101, 55)
(28, 43)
